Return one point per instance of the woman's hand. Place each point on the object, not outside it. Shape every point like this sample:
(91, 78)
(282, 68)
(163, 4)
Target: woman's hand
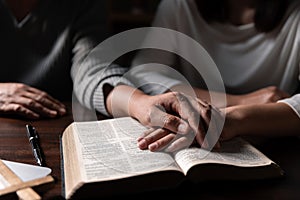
(172, 116)
(20, 99)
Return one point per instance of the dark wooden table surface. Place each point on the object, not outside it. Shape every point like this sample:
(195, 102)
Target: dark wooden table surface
(14, 146)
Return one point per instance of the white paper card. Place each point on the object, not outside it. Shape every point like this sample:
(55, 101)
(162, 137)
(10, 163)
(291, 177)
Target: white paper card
(25, 172)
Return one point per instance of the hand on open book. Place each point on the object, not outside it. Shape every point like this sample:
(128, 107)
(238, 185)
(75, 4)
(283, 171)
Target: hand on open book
(20, 99)
(177, 114)
(172, 109)
(161, 139)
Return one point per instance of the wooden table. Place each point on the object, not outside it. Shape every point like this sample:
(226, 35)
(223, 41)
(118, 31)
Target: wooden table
(14, 146)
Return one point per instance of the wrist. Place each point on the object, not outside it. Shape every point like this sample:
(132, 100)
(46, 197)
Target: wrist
(234, 122)
(137, 103)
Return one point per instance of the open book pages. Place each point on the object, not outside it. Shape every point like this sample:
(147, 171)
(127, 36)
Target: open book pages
(236, 152)
(100, 151)
(107, 150)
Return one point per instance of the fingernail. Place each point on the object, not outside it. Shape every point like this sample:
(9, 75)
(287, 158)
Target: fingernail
(62, 110)
(35, 116)
(153, 147)
(142, 144)
(182, 128)
(53, 112)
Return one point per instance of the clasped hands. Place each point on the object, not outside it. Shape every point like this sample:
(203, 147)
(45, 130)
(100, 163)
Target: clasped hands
(175, 121)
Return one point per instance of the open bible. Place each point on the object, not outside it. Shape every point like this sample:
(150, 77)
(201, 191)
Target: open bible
(101, 159)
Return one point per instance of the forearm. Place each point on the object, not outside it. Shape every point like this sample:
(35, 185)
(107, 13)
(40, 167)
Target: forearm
(265, 95)
(273, 119)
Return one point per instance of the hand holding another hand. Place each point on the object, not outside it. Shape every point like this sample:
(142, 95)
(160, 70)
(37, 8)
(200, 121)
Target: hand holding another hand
(176, 121)
(22, 100)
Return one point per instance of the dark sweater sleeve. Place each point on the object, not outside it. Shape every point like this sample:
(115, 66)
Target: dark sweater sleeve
(91, 70)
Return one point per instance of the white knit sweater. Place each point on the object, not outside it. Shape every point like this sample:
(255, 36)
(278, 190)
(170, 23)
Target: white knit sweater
(247, 59)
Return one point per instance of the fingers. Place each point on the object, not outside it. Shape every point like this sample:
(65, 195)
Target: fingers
(155, 139)
(171, 123)
(180, 143)
(18, 110)
(23, 100)
(45, 100)
(188, 110)
(184, 111)
(27, 108)
(214, 130)
(280, 95)
(160, 118)
(35, 107)
(178, 121)
(199, 119)
(204, 120)
(210, 120)
(163, 139)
